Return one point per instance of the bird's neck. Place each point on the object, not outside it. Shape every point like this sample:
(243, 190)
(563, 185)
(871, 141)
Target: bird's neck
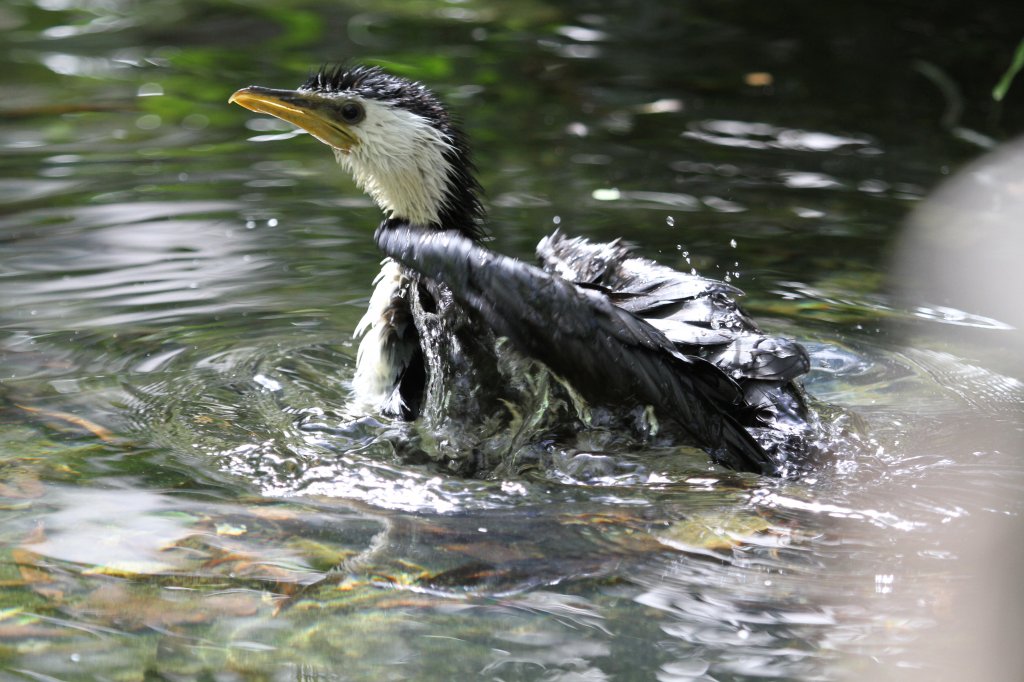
(412, 193)
(425, 178)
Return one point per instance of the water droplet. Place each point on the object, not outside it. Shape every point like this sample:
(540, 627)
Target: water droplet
(195, 122)
(557, 220)
(267, 383)
(272, 222)
(732, 243)
(609, 194)
(148, 122)
(670, 221)
(577, 129)
(150, 90)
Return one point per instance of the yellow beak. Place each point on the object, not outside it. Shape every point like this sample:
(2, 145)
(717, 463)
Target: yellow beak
(310, 111)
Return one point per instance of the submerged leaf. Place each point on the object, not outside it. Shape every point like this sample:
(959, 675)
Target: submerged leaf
(714, 531)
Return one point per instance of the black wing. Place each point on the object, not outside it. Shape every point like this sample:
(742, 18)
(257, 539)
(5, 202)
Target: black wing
(698, 314)
(701, 317)
(605, 351)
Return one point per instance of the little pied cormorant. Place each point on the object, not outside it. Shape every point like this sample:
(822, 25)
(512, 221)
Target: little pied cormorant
(615, 329)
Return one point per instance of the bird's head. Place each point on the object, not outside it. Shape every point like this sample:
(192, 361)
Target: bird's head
(393, 135)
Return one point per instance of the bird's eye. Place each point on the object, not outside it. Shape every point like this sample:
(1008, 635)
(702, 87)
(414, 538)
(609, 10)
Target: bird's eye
(352, 112)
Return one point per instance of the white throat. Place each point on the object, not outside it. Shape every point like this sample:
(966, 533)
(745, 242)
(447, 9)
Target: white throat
(400, 162)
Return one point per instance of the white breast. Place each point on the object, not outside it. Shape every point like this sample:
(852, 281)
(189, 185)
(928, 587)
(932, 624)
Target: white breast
(387, 340)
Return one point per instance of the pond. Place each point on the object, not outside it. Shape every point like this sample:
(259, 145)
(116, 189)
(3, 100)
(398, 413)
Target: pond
(185, 492)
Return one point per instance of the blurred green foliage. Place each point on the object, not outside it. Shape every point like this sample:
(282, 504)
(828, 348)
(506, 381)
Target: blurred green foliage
(1003, 86)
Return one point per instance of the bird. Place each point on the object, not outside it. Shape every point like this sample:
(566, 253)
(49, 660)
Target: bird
(451, 322)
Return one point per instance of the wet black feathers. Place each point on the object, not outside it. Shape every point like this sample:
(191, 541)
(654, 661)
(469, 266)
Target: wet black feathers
(699, 315)
(373, 82)
(608, 354)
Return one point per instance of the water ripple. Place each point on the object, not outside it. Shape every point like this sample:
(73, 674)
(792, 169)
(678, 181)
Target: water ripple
(752, 135)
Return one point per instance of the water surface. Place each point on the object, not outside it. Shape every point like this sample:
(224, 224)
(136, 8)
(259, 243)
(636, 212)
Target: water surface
(184, 490)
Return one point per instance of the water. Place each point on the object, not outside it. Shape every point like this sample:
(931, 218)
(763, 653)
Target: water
(184, 491)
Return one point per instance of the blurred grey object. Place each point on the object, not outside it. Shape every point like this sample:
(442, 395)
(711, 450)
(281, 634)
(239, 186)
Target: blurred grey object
(963, 251)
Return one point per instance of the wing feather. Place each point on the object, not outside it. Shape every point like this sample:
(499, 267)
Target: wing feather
(607, 352)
